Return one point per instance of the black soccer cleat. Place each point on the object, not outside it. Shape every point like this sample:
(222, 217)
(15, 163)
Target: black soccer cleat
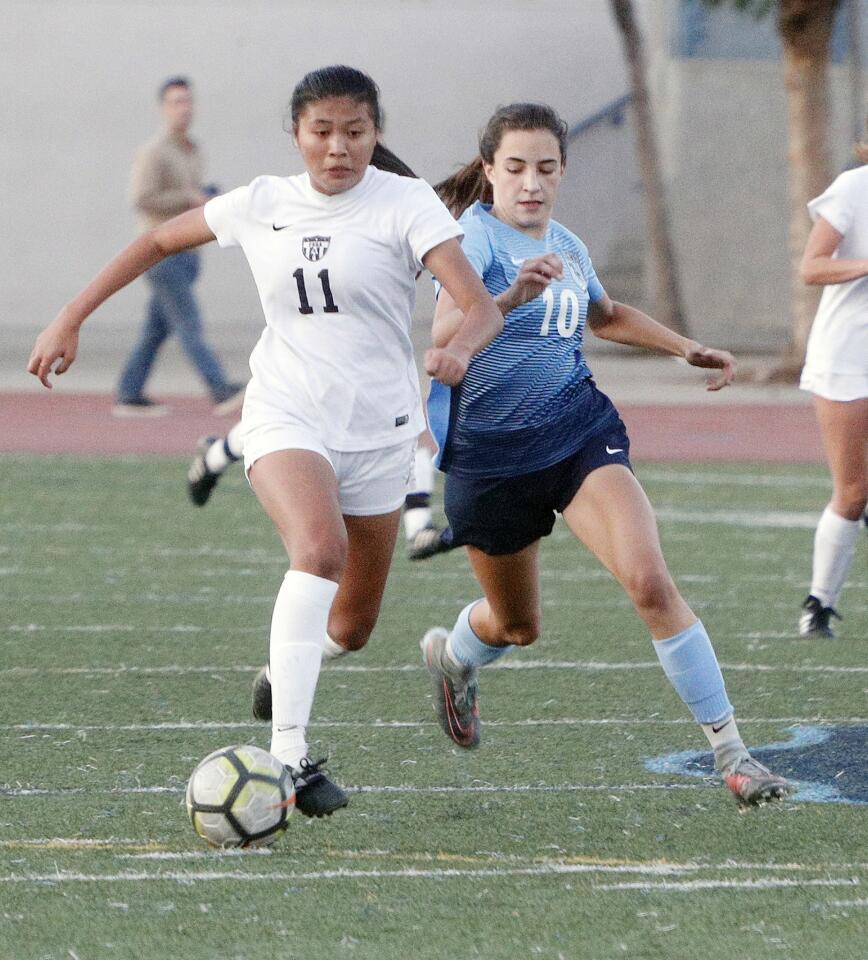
(428, 542)
(315, 794)
(815, 619)
(262, 695)
(200, 480)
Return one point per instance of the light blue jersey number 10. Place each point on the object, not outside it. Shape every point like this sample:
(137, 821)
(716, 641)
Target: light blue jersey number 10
(568, 313)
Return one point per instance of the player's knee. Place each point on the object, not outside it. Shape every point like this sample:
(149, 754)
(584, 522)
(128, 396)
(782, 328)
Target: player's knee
(520, 633)
(851, 499)
(352, 633)
(651, 589)
(324, 556)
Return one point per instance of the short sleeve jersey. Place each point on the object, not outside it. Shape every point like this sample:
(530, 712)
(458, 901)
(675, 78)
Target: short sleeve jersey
(524, 403)
(838, 342)
(336, 279)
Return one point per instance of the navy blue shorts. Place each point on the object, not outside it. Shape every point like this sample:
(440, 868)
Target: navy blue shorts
(500, 515)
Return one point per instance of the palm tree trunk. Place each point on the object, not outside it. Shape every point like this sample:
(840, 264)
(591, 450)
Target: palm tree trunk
(669, 309)
(805, 28)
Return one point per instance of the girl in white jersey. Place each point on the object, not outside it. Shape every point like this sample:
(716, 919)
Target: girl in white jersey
(836, 372)
(332, 411)
(527, 435)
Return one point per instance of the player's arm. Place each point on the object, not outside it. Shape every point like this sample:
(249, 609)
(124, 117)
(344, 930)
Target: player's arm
(818, 266)
(535, 274)
(480, 319)
(59, 340)
(621, 323)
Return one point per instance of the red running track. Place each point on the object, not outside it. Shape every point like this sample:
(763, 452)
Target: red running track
(82, 424)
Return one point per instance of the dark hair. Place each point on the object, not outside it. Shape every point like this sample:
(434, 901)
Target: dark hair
(470, 184)
(337, 81)
(340, 81)
(167, 85)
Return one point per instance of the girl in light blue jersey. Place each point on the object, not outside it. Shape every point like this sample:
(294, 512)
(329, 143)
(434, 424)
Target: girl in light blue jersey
(527, 434)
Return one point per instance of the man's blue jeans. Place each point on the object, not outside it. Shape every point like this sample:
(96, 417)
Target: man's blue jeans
(172, 310)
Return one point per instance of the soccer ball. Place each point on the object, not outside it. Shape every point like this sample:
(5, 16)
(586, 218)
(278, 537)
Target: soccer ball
(240, 797)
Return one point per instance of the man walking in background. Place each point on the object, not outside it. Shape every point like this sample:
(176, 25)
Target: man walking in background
(167, 180)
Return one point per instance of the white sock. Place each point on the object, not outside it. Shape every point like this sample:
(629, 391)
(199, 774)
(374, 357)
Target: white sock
(834, 546)
(298, 625)
(225, 450)
(417, 513)
(332, 650)
(725, 741)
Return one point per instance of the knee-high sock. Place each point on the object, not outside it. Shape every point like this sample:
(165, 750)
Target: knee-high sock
(465, 647)
(298, 625)
(417, 508)
(225, 450)
(689, 661)
(834, 546)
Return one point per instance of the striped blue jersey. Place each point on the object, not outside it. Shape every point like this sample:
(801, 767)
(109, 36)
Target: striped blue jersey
(525, 403)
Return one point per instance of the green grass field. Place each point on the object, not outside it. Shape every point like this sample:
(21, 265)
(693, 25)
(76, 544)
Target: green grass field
(131, 627)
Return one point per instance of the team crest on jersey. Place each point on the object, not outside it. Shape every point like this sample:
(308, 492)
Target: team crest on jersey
(315, 248)
(574, 265)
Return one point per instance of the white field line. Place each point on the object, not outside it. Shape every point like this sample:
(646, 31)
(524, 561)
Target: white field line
(687, 886)
(734, 480)
(488, 857)
(9, 792)
(846, 903)
(589, 666)
(404, 724)
(553, 869)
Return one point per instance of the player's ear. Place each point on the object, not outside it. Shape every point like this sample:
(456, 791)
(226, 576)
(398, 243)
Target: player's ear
(488, 170)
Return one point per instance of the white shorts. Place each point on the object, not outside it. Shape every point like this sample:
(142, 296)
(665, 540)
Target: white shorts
(370, 482)
(835, 386)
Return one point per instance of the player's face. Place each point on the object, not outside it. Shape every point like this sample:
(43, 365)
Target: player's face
(336, 139)
(525, 176)
(178, 109)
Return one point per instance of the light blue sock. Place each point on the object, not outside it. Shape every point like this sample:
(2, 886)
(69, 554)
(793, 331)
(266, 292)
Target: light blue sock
(466, 648)
(690, 663)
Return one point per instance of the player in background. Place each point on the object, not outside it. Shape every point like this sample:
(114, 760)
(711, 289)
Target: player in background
(423, 539)
(836, 372)
(332, 411)
(527, 434)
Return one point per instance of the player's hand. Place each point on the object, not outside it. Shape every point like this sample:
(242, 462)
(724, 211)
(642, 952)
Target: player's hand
(534, 275)
(699, 356)
(58, 341)
(445, 365)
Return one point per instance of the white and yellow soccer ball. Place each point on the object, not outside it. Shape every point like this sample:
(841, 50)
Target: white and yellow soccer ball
(240, 797)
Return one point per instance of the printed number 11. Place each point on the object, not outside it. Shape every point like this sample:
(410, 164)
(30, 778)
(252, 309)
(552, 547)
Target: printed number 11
(305, 307)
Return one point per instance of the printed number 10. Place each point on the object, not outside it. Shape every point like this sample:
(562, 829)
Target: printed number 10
(304, 303)
(569, 305)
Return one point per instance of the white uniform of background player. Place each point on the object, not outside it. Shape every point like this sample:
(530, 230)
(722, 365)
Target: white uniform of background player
(836, 372)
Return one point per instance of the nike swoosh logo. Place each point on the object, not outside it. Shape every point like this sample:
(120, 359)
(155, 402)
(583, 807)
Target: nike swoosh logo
(614, 450)
(715, 729)
(274, 226)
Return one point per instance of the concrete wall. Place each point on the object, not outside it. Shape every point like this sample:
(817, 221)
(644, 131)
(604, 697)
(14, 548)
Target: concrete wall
(79, 80)
(722, 126)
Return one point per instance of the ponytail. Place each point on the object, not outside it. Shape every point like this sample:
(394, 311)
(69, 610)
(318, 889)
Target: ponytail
(464, 188)
(383, 159)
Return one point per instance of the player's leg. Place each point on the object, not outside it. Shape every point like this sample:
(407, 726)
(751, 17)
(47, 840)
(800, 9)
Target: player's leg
(844, 427)
(299, 492)
(507, 615)
(423, 538)
(131, 399)
(213, 456)
(611, 515)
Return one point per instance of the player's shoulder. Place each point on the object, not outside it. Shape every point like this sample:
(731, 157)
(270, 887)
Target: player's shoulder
(399, 189)
(566, 238)
(265, 193)
(851, 181)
